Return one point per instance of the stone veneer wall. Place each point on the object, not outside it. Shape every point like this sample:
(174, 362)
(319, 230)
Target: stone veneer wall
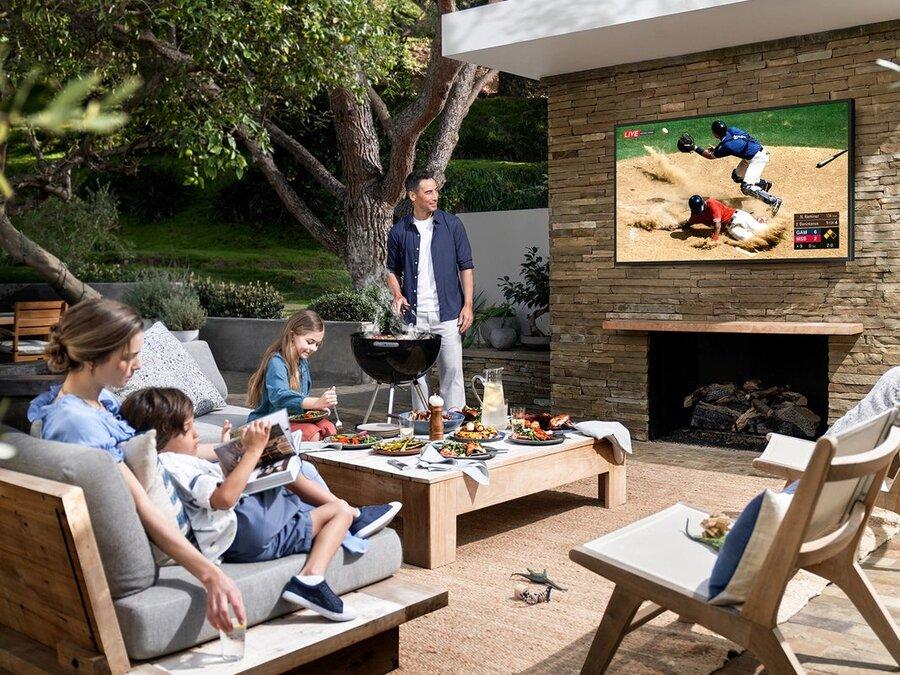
(603, 374)
(526, 375)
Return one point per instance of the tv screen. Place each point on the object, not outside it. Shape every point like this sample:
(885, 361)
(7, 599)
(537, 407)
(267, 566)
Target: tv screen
(763, 185)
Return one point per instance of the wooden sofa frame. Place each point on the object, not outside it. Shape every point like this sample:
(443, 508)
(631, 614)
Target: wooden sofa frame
(57, 613)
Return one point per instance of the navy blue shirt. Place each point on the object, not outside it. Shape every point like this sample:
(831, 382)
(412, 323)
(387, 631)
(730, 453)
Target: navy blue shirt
(450, 254)
(737, 143)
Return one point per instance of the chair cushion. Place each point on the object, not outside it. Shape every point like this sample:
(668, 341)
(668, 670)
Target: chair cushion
(166, 363)
(171, 615)
(747, 545)
(123, 545)
(142, 459)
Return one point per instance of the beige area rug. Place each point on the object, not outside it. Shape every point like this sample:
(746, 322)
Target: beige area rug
(484, 630)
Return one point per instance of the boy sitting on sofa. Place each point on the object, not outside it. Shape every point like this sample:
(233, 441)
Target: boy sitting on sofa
(239, 528)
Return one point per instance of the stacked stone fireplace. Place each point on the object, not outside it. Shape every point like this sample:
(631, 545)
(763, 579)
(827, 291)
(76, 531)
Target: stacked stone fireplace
(730, 390)
(601, 370)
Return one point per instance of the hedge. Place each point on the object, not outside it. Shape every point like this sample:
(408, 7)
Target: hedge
(484, 185)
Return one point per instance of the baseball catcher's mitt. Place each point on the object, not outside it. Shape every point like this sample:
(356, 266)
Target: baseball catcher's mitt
(686, 143)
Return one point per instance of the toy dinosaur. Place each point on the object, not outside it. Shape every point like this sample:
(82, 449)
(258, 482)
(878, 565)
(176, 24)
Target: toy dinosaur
(538, 578)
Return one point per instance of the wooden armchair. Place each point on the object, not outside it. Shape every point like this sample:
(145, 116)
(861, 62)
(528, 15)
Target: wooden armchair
(31, 320)
(652, 560)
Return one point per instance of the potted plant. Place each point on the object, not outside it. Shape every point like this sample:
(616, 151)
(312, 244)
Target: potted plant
(165, 296)
(532, 291)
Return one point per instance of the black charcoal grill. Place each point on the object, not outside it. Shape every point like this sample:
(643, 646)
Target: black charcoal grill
(394, 362)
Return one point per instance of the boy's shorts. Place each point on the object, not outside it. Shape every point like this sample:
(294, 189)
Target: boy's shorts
(271, 525)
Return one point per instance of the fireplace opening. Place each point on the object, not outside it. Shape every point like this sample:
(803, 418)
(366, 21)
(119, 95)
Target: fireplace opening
(730, 390)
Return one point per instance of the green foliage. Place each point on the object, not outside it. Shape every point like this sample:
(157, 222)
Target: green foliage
(533, 290)
(482, 185)
(78, 231)
(504, 128)
(254, 300)
(347, 306)
(154, 192)
(93, 272)
(481, 312)
(167, 296)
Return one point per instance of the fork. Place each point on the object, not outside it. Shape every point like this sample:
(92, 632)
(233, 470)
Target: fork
(337, 419)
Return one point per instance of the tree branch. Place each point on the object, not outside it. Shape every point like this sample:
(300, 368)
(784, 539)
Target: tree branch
(305, 159)
(263, 161)
(412, 121)
(384, 115)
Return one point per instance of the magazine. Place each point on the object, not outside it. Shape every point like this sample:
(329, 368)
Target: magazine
(280, 461)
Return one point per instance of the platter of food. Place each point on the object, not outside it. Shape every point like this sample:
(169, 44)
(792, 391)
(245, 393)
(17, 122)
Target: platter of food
(534, 435)
(471, 414)
(474, 431)
(549, 422)
(308, 416)
(469, 450)
(421, 421)
(358, 441)
(399, 447)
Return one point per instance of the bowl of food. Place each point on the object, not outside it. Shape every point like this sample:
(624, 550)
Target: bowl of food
(422, 421)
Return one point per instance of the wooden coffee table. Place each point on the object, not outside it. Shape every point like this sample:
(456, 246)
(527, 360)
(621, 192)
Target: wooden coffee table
(433, 499)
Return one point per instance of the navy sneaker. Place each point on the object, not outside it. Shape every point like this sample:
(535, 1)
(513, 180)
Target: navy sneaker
(319, 598)
(372, 519)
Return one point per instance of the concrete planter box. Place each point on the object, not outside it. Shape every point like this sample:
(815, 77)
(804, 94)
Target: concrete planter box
(239, 344)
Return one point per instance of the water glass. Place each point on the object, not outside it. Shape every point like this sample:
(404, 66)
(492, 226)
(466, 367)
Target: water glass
(406, 428)
(232, 643)
(517, 416)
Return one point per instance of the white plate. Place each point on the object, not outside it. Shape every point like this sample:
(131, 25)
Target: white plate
(383, 429)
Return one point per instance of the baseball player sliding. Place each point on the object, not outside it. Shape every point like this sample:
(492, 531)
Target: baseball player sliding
(738, 224)
(735, 142)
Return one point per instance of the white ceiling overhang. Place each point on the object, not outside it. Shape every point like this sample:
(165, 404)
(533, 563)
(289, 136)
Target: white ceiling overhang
(540, 38)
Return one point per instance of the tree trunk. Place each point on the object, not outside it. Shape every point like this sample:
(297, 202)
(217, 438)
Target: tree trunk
(368, 222)
(24, 251)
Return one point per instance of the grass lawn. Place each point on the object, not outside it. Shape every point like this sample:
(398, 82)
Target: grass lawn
(818, 125)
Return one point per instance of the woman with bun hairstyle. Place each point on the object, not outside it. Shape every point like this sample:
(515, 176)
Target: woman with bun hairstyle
(97, 344)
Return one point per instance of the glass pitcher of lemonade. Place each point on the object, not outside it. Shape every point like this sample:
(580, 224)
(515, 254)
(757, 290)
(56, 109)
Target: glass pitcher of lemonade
(493, 404)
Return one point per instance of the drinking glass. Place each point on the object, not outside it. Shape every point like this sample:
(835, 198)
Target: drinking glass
(232, 643)
(517, 416)
(406, 427)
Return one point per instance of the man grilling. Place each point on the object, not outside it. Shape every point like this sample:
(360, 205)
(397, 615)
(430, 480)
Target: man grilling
(432, 279)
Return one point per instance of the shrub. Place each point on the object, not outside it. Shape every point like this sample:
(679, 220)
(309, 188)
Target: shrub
(256, 300)
(152, 193)
(167, 296)
(501, 127)
(347, 306)
(77, 231)
(104, 272)
(484, 185)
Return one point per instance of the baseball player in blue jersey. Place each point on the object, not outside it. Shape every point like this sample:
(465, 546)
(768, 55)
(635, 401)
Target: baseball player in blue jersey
(735, 142)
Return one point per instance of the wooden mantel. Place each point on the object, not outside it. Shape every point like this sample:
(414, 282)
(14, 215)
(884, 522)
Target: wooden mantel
(765, 327)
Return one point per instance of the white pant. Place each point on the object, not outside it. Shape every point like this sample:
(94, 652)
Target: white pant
(743, 226)
(449, 362)
(750, 170)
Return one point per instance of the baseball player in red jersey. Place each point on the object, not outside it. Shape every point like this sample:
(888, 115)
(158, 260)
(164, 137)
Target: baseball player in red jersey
(738, 224)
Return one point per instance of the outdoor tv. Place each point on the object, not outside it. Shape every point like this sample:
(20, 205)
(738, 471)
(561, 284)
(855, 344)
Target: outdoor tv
(774, 184)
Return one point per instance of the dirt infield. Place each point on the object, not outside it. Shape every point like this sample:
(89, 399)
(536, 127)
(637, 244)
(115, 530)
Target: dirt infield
(652, 193)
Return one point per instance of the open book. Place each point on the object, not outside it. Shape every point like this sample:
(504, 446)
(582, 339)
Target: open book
(280, 462)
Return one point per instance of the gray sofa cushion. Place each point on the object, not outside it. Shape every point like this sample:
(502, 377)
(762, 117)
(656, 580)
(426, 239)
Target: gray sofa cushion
(204, 358)
(124, 548)
(171, 615)
(235, 413)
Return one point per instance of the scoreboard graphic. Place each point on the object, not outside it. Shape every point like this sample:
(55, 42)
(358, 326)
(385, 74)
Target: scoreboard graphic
(816, 230)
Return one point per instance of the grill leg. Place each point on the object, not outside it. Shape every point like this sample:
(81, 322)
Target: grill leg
(390, 402)
(371, 403)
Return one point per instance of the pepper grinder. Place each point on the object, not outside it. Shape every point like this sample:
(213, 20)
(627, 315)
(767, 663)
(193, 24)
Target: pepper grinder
(436, 421)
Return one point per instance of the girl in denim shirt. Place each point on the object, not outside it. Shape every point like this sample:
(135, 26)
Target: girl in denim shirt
(283, 380)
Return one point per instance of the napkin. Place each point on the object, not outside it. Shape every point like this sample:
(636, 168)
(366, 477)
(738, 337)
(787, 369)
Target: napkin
(432, 460)
(614, 432)
(318, 446)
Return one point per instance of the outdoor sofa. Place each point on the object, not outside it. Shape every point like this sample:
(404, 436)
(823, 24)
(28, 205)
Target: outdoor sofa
(80, 586)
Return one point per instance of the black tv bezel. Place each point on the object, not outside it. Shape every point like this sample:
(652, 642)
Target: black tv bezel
(851, 181)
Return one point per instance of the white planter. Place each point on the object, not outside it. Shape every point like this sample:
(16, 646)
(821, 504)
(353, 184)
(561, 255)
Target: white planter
(186, 335)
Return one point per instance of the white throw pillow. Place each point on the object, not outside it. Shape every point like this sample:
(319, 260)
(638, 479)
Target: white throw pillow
(142, 459)
(166, 363)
